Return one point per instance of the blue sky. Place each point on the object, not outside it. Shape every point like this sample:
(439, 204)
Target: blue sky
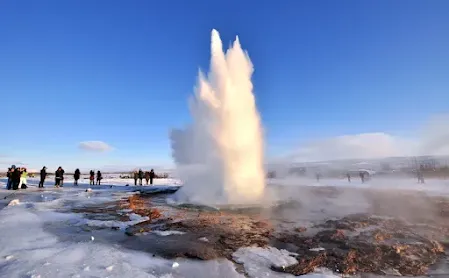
(121, 72)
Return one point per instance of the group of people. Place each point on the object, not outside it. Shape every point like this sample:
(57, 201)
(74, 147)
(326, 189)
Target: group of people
(91, 177)
(59, 177)
(17, 178)
(139, 175)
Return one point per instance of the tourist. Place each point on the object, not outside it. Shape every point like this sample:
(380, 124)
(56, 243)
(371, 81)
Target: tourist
(23, 178)
(140, 176)
(76, 176)
(99, 177)
(362, 177)
(62, 177)
(15, 178)
(43, 176)
(147, 177)
(152, 175)
(9, 176)
(317, 175)
(420, 176)
(349, 177)
(136, 177)
(91, 177)
(59, 176)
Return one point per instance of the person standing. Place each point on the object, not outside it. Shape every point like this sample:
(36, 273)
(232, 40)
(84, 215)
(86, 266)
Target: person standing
(99, 177)
(23, 178)
(62, 176)
(16, 178)
(59, 176)
(140, 176)
(43, 176)
(348, 176)
(147, 177)
(76, 176)
(362, 176)
(91, 177)
(9, 176)
(136, 177)
(420, 176)
(152, 176)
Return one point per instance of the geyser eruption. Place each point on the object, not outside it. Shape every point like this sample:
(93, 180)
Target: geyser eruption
(220, 155)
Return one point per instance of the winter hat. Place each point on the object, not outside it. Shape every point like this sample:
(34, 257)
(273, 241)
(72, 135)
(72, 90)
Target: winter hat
(13, 166)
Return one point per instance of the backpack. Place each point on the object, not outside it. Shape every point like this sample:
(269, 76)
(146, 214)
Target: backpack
(24, 186)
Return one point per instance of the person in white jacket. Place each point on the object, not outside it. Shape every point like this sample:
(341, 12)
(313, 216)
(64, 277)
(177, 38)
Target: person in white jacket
(23, 177)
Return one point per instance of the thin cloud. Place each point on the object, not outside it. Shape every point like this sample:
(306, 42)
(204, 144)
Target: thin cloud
(433, 140)
(357, 146)
(95, 146)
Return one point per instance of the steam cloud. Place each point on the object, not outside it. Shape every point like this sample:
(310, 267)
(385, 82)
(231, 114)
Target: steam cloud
(220, 155)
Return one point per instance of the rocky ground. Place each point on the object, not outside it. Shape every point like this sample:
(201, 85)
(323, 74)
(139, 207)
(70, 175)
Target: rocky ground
(401, 233)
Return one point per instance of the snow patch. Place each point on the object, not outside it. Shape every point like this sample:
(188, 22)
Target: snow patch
(317, 249)
(168, 233)
(14, 202)
(40, 243)
(257, 262)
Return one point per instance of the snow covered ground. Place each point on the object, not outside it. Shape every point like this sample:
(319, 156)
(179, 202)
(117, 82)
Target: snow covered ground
(41, 239)
(431, 186)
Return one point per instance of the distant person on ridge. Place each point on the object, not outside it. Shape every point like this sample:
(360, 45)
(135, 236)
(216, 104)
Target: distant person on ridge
(76, 176)
(99, 177)
(420, 176)
(362, 177)
(152, 175)
(59, 176)
(136, 177)
(43, 176)
(147, 177)
(317, 175)
(140, 176)
(91, 177)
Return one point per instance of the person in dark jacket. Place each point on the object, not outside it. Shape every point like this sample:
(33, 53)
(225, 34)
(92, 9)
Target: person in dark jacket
(136, 177)
(16, 178)
(152, 176)
(362, 177)
(9, 176)
(91, 177)
(76, 176)
(59, 176)
(140, 176)
(43, 176)
(147, 177)
(62, 179)
(99, 177)
(348, 176)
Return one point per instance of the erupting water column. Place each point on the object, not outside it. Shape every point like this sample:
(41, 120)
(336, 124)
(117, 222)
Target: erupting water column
(220, 155)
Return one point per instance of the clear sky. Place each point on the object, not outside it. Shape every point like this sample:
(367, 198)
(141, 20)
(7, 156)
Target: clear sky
(120, 72)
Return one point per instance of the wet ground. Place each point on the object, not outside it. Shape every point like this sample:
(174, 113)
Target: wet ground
(350, 231)
(398, 233)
